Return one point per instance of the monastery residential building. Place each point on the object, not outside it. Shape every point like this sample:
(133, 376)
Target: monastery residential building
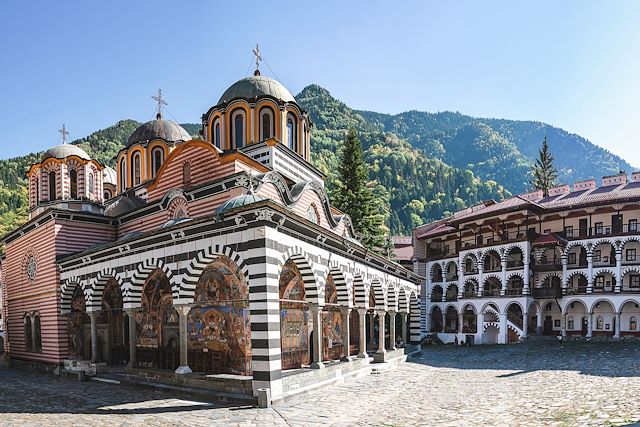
(215, 255)
(564, 265)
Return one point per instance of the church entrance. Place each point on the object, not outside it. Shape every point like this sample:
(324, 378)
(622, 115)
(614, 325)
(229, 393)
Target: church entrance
(112, 326)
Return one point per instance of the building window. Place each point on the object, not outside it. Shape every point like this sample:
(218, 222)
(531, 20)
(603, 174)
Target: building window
(216, 134)
(37, 190)
(123, 175)
(186, 173)
(292, 136)
(599, 282)
(599, 228)
(157, 157)
(135, 169)
(28, 333)
(91, 184)
(596, 256)
(572, 258)
(237, 133)
(266, 123)
(52, 186)
(633, 323)
(630, 254)
(633, 225)
(548, 231)
(107, 194)
(303, 143)
(37, 333)
(568, 231)
(312, 214)
(634, 281)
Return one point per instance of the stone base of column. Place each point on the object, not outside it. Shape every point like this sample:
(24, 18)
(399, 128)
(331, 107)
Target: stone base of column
(362, 355)
(317, 365)
(345, 359)
(381, 351)
(183, 370)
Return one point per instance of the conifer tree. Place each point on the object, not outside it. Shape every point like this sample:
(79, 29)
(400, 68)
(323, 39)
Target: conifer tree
(544, 172)
(354, 196)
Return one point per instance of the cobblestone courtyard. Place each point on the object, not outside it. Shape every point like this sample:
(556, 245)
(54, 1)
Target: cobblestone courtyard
(527, 384)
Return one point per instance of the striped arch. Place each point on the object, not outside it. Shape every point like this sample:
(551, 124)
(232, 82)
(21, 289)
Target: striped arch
(469, 305)
(490, 276)
(474, 258)
(549, 274)
(341, 285)
(628, 270)
(593, 305)
(187, 289)
(491, 308)
(498, 251)
(379, 295)
(392, 297)
(515, 273)
(94, 293)
(576, 273)
(433, 268)
(603, 270)
(574, 244)
(302, 261)
(133, 291)
(403, 303)
(360, 291)
(414, 318)
(67, 289)
(508, 249)
(628, 240)
(604, 241)
(573, 301)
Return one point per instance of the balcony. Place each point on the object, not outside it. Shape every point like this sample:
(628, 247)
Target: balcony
(602, 230)
(547, 265)
(547, 292)
(497, 239)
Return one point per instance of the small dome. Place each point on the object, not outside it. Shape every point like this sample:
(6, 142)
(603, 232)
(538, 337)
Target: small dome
(159, 129)
(63, 151)
(236, 202)
(256, 86)
(109, 175)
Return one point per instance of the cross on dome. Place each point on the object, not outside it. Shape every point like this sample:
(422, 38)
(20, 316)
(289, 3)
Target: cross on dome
(160, 101)
(64, 134)
(256, 52)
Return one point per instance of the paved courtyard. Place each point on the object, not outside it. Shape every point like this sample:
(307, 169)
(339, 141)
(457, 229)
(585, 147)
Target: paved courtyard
(528, 384)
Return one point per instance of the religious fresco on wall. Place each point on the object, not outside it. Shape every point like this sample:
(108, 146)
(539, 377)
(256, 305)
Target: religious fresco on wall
(76, 324)
(157, 312)
(331, 323)
(219, 323)
(113, 316)
(294, 318)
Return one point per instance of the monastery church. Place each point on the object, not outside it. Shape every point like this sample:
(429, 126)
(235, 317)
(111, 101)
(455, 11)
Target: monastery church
(197, 257)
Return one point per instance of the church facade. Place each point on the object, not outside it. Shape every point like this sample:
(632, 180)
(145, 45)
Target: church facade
(215, 255)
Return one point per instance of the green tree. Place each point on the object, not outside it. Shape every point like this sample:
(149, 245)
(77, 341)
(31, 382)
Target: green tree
(544, 172)
(354, 196)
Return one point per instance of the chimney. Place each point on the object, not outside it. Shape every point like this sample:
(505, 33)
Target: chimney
(534, 195)
(588, 184)
(618, 179)
(559, 190)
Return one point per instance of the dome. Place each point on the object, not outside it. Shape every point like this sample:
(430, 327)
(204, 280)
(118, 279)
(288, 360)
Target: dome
(256, 86)
(159, 129)
(236, 202)
(63, 151)
(109, 175)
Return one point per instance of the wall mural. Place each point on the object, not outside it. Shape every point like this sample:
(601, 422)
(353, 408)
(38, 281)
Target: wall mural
(294, 318)
(112, 321)
(76, 324)
(331, 323)
(219, 326)
(157, 317)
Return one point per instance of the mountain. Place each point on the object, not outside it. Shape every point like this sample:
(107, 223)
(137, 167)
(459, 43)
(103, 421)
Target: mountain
(497, 148)
(423, 165)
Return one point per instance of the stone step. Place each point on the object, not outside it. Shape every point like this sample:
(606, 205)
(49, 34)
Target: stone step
(379, 368)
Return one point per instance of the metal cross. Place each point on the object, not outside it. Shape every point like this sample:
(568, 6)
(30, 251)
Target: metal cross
(160, 101)
(256, 52)
(64, 133)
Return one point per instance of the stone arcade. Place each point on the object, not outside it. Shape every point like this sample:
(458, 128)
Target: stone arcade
(219, 255)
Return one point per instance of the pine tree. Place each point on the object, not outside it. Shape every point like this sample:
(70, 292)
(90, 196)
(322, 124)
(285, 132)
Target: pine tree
(544, 172)
(354, 196)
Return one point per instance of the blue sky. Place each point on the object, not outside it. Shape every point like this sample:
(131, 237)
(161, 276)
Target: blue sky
(574, 64)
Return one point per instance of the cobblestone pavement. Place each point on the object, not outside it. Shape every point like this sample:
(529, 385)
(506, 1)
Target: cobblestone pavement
(528, 384)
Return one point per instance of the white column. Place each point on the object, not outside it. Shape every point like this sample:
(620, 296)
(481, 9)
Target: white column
(480, 278)
(131, 313)
(563, 325)
(589, 272)
(502, 337)
(392, 330)
(503, 291)
(372, 328)
(589, 325)
(381, 315)
(617, 329)
(405, 316)
(346, 339)
(362, 353)
(480, 327)
(539, 322)
(525, 282)
(618, 270)
(444, 287)
(316, 315)
(93, 315)
(565, 276)
(525, 324)
(460, 322)
(183, 312)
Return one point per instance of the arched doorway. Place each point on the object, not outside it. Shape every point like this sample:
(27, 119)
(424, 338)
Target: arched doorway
(218, 326)
(604, 319)
(354, 328)
(294, 318)
(515, 316)
(112, 327)
(436, 319)
(451, 320)
(79, 327)
(332, 322)
(157, 325)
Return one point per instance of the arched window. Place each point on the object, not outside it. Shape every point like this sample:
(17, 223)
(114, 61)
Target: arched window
(90, 184)
(28, 333)
(37, 333)
(312, 214)
(186, 173)
(216, 134)
(37, 190)
(303, 143)
(157, 157)
(237, 133)
(107, 194)
(266, 124)
(73, 184)
(292, 135)
(52, 186)
(123, 175)
(135, 169)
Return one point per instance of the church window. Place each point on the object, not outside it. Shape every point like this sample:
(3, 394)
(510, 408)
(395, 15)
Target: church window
(135, 169)
(28, 333)
(292, 137)
(157, 157)
(107, 194)
(238, 129)
(266, 123)
(312, 214)
(91, 184)
(37, 333)
(303, 143)
(186, 173)
(52, 186)
(73, 183)
(37, 190)
(123, 175)
(216, 134)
